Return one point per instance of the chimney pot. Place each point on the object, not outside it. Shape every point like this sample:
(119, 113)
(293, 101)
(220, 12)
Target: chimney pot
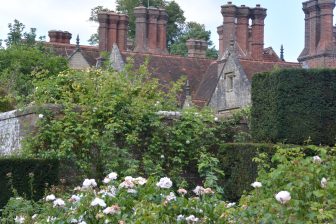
(197, 48)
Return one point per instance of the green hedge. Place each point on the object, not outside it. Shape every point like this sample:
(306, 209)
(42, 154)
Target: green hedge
(294, 105)
(45, 171)
(240, 170)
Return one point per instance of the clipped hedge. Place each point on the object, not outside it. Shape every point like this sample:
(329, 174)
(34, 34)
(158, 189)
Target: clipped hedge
(294, 105)
(20, 170)
(240, 170)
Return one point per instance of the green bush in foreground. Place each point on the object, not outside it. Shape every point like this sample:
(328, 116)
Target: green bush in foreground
(298, 189)
(27, 176)
(309, 180)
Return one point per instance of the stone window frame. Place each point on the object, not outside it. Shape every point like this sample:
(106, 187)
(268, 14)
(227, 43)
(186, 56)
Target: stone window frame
(229, 83)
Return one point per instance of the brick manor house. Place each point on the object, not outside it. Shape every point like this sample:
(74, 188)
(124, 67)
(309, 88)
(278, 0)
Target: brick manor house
(223, 84)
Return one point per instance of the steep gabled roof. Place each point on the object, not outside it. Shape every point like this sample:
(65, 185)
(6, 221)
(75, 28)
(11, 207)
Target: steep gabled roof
(253, 67)
(90, 53)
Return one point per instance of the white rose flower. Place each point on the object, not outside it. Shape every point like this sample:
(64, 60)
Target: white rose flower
(82, 222)
(19, 219)
(165, 182)
(187, 142)
(40, 116)
(140, 180)
(59, 203)
(171, 197)
(89, 183)
(74, 198)
(114, 209)
(199, 190)
(324, 182)
(50, 197)
(98, 201)
(256, 184)
(317, 159)
(182, 191)
(216, 119)
(112, 176)
(106, 180)
(191, 219)
(180, 218)
(132, 191)
(231, 204)
(283, 197)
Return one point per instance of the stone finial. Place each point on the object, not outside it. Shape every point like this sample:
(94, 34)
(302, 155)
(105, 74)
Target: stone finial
(282, 53)
(77, 42)
(188, 100)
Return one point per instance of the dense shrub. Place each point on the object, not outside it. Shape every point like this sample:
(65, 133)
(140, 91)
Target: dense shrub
(294, 105)
(28, 177)
(236, 160)
(307, 186)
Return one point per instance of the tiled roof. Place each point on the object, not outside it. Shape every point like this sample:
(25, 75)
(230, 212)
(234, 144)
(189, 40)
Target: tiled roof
(253, 67)
(90, 53)
(169, 68)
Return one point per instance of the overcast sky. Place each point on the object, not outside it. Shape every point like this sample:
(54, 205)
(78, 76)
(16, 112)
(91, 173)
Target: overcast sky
(284, 23)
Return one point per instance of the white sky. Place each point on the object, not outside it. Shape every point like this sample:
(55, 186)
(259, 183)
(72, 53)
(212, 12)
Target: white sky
(284, 21)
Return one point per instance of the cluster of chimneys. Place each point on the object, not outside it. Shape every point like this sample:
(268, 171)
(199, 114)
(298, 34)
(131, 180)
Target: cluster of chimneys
(151, 34)
(236, 28)
(318, 26)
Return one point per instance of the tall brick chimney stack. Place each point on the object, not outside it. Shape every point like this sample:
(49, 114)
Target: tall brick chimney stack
(314, 21)
(197, 48)
(57, 36)
(162, 31)
(153, 15)
(326, 22)
(258, 16)
(140, 14)
(243, 16)
(307, 30)
(150, 30)
(112, 29)
(229, 25)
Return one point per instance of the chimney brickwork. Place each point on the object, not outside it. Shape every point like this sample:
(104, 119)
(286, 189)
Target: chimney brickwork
(236, 27)
(57, 36)
(319, 48)
(258, 15)
(150, 30)
(112, 29)
(197, 48)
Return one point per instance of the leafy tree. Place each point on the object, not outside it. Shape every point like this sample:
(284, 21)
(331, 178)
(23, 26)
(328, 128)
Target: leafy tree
(23, 62)
(193, 30)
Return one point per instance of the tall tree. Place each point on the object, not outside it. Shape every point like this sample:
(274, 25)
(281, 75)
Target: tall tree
(23, 62)
(193, 30)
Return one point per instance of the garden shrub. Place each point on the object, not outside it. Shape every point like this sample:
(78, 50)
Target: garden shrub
(294, 105)
(307, 186)
(236, 160)
(27, 177)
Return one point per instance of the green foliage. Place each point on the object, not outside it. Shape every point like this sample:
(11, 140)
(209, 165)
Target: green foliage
(26, 177)
(110, 121)
(23, 62)
(240, 168)
(143, 202)
(301, 175)
(192, 30)
(294, 105)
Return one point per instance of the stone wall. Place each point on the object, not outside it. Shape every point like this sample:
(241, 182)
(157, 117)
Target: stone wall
(14, 125)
